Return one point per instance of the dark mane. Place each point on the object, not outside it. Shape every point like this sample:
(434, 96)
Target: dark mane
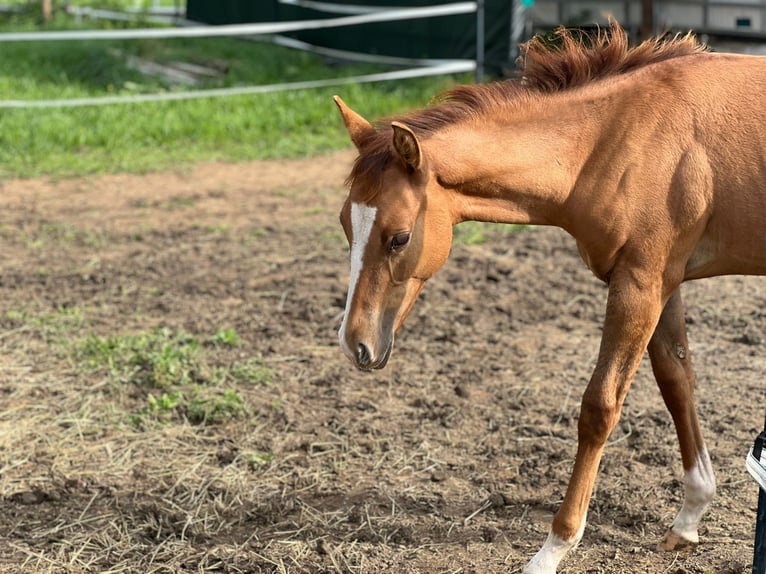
(565, 60)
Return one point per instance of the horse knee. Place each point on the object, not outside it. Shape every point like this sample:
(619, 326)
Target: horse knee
(598, 417)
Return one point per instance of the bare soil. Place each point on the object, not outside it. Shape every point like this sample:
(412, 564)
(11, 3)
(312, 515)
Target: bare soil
(452, 459)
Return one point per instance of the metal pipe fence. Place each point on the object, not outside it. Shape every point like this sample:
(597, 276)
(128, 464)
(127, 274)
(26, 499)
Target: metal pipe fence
(423, 67)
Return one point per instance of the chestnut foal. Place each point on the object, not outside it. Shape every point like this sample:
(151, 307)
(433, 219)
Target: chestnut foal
(653, 158)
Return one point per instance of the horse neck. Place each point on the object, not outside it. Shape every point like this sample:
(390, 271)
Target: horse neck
(516, 166)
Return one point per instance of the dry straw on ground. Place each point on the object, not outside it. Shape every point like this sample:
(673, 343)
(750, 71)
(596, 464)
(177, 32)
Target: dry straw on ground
(450, 460)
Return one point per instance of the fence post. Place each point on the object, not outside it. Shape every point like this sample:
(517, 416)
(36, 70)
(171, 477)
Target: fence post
(518, 27)
(647, 19)
(479, 41)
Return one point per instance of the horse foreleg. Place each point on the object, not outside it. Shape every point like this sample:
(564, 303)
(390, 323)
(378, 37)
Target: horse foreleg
(671, 362)
(633, 308)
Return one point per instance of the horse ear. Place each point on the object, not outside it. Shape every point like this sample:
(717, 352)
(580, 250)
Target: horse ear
(407, 146)
(358, 128)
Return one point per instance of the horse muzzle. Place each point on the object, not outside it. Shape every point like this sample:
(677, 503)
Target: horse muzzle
(365, 360)
(367, 357)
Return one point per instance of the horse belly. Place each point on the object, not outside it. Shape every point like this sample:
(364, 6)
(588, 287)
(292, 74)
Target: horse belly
(744, 253)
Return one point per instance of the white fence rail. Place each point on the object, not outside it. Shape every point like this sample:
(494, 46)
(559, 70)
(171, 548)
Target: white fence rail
(449, 68)
(244, 29)
(424, 67)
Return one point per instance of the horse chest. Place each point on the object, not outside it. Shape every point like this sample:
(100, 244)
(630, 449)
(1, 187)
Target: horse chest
(599, 260)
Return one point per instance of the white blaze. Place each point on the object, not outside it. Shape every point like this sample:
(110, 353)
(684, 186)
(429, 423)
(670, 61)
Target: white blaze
(362, 220)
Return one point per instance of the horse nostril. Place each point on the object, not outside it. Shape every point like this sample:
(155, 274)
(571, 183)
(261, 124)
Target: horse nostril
(363, 356)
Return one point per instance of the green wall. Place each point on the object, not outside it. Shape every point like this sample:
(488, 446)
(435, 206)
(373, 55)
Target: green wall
(442, 37)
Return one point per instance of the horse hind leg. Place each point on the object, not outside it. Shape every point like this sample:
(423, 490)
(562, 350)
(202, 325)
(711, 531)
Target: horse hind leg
(671, 363)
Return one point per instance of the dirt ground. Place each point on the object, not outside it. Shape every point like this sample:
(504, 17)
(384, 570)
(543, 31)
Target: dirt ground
(452, 459)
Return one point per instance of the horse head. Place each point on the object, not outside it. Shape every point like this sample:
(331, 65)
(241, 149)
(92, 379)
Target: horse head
(399, 229)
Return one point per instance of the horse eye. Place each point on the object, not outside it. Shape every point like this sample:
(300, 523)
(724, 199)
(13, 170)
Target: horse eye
(399, 240)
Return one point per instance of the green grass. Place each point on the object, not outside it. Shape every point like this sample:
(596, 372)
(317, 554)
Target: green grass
(177, 373)
(34, 5)
(158, 359)
(54, 326)
(147, 137)
(225, 337)
(201, 406)
(182, 377)
(47, 233)
(476, 233)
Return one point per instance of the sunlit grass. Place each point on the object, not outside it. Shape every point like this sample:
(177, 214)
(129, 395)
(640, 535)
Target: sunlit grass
(155, 136)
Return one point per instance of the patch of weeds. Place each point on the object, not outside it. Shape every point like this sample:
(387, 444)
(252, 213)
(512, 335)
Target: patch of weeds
(174, 364)
(225, 337)
(208, 406)
(249, 372)
(200, 405)
(158, 359)
(252, 371)
(50, 325)
(179, 202)
(57, 233)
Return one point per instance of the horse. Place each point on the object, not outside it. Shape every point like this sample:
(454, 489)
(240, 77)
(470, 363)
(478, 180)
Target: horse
(652, 157)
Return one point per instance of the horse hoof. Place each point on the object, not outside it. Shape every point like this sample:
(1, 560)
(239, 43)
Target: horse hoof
(673, 542)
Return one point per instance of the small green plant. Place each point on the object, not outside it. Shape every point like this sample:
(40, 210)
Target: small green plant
(257, 460)
(208, 406)
(225, 338)
(161, 409)
(165, 402)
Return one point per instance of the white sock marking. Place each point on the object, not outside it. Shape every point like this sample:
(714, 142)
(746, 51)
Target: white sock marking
(699, 488)
(362, 221)
(553, 551)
